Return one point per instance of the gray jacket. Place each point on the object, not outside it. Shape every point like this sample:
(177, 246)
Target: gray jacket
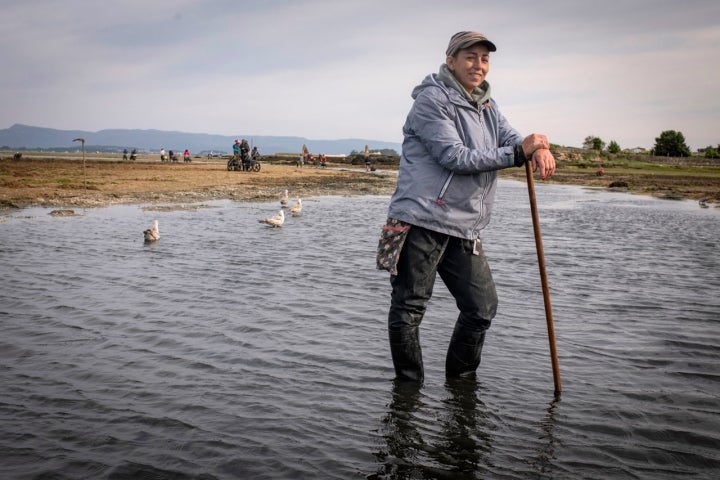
(450, 157)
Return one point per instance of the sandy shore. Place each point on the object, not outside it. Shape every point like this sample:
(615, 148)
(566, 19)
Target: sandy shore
(70, 182)
(65, 183)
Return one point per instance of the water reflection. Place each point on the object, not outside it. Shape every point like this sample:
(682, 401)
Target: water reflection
(465, 441)
(416, 447)
(401, 432)
(455, 438)
(543, 463)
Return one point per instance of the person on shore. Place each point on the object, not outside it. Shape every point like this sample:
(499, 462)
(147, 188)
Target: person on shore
(455, 141)
(162, 154)
(236, 149)
(133, 154)
(186, 156)
(125, 153)
(245, 154)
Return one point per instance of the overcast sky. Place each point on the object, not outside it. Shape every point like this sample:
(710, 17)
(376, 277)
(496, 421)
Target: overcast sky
(623, 70)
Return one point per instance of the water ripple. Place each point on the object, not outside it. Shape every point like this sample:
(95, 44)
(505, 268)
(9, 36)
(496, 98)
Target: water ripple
(232, 350)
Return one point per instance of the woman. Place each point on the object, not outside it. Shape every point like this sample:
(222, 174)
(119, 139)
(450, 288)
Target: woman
(455, 141)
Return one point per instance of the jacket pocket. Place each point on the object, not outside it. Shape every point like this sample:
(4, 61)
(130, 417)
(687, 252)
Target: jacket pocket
(443, 188)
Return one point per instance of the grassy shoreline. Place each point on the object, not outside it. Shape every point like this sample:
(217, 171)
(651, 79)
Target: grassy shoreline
(42, 179)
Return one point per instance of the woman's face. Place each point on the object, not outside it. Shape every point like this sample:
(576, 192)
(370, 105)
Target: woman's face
(470, 66)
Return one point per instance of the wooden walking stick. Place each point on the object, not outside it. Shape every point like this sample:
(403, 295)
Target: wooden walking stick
(543, 278)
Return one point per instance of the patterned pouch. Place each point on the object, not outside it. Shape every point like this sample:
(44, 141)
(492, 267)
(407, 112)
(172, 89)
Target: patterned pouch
(391, 242)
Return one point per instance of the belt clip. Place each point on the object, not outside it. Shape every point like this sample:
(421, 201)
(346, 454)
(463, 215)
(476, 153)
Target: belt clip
(475, 247)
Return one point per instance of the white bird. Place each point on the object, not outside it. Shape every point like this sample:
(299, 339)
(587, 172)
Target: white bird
(275, 221)
(152, 234)
(297, 208)
(284, 198)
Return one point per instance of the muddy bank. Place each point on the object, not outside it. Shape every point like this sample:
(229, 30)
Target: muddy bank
(61, 182)
(67, 182)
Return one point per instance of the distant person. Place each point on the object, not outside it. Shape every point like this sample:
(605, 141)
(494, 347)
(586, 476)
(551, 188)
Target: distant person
(186, 156)
(162, 154)
(172, 156)
(323, 161)
(255, 153)
(368, 163)
(245, 153)
(125, 154)
(236, 149)
(455, 141)
(133, 154)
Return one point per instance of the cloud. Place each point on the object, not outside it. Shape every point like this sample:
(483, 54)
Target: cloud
(326, 69)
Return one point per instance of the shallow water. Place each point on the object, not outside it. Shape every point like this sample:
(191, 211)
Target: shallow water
(232, 350)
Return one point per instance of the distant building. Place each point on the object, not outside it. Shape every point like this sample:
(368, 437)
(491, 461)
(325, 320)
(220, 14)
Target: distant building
(637, 150)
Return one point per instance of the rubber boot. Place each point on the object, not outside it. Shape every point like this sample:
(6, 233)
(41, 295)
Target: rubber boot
(406, 354)
(463, 356)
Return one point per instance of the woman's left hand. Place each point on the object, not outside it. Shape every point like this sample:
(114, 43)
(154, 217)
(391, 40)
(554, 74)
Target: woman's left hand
(543, 160)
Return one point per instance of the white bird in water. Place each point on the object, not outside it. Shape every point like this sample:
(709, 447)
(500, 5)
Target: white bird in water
(297, 208)
(275, 221)
(152, 234)
(284, 198)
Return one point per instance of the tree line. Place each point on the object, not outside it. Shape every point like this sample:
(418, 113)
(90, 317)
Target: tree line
(670, 143)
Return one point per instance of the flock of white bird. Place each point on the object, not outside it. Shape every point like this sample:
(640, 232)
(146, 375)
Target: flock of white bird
(152, 234)
(279, 219)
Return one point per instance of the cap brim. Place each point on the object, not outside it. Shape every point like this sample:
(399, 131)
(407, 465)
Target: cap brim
(490, 45)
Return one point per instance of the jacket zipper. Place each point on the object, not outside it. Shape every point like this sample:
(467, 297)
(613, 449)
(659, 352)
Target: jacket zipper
(483, 190)
(440, 198)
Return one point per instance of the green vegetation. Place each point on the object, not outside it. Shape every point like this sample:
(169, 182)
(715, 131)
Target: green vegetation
(711, 152)
(578, 158)
(672, 144)
(626, 166)
(592, 142)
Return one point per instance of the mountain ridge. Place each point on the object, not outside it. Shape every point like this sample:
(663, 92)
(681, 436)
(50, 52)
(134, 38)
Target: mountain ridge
(20, 136)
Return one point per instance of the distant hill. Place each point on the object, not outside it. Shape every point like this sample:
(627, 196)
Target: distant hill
(28, 137)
